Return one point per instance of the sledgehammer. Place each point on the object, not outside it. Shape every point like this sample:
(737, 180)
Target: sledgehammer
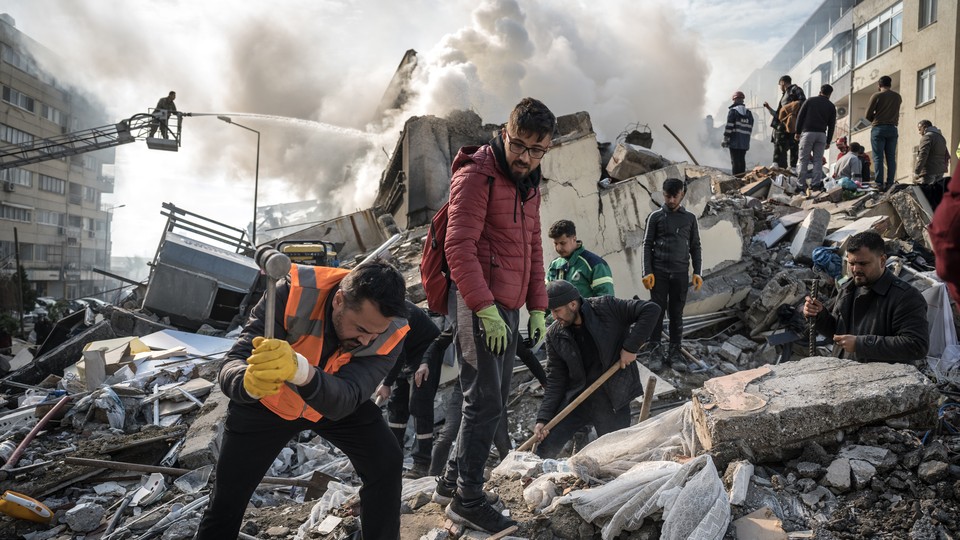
(275, 265)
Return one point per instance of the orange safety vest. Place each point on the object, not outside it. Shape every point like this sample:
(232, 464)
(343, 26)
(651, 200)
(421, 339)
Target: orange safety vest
(304, 323)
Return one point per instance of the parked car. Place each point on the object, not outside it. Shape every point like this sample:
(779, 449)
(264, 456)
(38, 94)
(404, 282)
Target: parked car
(94, 303)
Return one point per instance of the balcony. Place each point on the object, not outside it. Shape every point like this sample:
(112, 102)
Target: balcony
(104, 183)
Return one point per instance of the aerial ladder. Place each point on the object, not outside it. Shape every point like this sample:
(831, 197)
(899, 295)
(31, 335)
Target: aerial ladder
(126, 131)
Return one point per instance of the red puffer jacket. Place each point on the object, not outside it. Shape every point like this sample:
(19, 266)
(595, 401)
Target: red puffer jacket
(945, 235)
(493, 236)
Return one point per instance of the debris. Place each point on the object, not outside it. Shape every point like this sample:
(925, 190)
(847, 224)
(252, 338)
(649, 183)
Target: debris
(810, 235)
(84, 517)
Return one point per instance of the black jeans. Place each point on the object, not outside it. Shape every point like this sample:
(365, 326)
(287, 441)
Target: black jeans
(407, 399)
(738, 161)
(252, 438)
(670, 293)
(485, 380)
(597, 411)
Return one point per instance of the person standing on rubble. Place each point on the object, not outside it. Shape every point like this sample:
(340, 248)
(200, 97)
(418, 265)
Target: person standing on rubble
(165, 107)
(588, 336)
(405, 400)
(849, 165)
(784, 122)
(338, 333)
(736, 135)
(932, 155)
(878, 316)
(883, 111)
(815, 125)
(588, 272)
(494, 252)
(671, 239)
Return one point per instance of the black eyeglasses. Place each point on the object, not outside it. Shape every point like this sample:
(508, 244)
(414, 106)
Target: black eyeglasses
(519, 148)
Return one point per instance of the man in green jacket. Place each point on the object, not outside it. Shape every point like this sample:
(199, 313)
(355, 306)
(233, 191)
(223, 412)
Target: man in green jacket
(588, 272)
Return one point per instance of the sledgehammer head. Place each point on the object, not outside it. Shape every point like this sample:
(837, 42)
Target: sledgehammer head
(273, 263)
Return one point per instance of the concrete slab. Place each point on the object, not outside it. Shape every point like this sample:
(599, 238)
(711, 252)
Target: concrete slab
(814, 399)
(786, 287)
(68, 353)
(858, 226)
(810, 235)
(630, 160)
(202, 444)
(795, 218)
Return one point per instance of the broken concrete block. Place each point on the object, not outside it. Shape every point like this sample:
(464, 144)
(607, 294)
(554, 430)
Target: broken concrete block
(862, 472)
(873, 223)
(834, 195)
(630, 160)
(773, 236)
(738, 477)
(838, 475)
(813, 399)
(84, 517)
(811, 498)
(882, 458)
(730, 352)
(808, 469)
(796, 218)
(202, 444)
(932, 472)
(758, 189)
(53, 362)
(725, 184)
(742, 342)
(913, 216)
(787, 287)
(810, 235)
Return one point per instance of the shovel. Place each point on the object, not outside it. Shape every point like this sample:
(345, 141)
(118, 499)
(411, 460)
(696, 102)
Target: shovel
(573, 405)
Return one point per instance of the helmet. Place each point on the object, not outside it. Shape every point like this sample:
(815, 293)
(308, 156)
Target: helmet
(738, 95)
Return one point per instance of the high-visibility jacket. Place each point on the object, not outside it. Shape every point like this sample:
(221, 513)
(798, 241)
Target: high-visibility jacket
(304, 323)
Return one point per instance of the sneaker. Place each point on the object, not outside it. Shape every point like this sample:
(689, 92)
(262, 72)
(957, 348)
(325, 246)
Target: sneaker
(674, 355)
(479, 515)
(654, 357)
(445, 492)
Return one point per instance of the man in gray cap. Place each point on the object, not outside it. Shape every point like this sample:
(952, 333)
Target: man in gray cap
(587, 337)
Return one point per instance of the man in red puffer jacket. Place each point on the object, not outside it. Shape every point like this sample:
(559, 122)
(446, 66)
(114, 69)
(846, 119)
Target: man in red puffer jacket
(495, 257)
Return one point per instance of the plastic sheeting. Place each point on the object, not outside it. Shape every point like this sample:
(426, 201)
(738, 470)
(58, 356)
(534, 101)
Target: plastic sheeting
(661, 438)
(691, 498)
(943, 357)
(337, 495)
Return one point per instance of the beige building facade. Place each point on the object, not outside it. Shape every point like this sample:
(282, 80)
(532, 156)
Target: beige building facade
(53, 209)
(850, 44)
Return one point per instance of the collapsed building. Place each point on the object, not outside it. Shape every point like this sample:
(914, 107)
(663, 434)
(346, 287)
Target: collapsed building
(755, 435)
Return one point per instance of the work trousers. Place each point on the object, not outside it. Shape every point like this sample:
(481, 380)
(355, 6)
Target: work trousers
(812, 145)
(407, 399)
(670, 293)
(451, 427)
(485, 381)
(252, 438)
(883, 142)
(597, 411)
(784, 145)
(738, 161)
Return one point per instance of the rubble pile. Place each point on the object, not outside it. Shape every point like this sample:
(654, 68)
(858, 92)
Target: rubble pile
(751, 435)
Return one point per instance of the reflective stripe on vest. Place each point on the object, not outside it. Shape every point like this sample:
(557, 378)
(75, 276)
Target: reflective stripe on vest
(303, 320)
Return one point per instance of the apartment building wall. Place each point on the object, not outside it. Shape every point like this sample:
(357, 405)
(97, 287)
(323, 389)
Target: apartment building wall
(55, 206)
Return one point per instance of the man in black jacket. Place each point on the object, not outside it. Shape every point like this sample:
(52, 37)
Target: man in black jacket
(589, 336)
(878, 316)
(671, 239)
(405, 400)
(815, 125)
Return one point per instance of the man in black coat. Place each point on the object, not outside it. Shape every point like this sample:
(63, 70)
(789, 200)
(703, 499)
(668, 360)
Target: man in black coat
(589, 336)
(878, 316)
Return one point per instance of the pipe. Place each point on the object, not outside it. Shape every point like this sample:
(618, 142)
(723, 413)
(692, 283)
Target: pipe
(695, 162)
(18, 452)
(383, 247)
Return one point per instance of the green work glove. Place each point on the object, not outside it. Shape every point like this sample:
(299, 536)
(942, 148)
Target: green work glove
(536, 326)
(494, 328)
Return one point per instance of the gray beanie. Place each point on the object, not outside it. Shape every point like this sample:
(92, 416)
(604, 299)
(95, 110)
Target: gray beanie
(560, 293)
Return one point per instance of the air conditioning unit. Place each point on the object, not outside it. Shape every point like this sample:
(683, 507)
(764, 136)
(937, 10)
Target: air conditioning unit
(841, 111)
(9, 186)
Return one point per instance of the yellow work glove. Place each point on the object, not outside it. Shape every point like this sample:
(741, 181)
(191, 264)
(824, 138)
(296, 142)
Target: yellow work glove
(697, 282)
(257, 387)
(275, 360)
(648, 281)
(494, 328)
(537, 326)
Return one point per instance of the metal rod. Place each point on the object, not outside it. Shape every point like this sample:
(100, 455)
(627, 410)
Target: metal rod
(22, 447)
(812, 321)
(695, 162)
(137, 467)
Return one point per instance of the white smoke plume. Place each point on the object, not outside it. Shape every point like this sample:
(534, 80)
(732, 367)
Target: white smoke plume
(329, 63)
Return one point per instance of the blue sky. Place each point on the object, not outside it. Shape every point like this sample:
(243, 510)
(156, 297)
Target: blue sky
(650, 61)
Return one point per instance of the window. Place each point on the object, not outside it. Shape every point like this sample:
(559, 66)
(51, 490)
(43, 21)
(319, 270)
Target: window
(842, 56)
(41, 252)
(16, 213)
(926, 85)
(14, 135)
(18, 60)
(90, 163)
(89, 224)
(928, 12)
(89, 194)
(53, 114)
(7, 249)
(16, 175)
(46, 217)
(19, 99)
(53, 185)
(26, 251)
(880, 33)
(75, 221)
